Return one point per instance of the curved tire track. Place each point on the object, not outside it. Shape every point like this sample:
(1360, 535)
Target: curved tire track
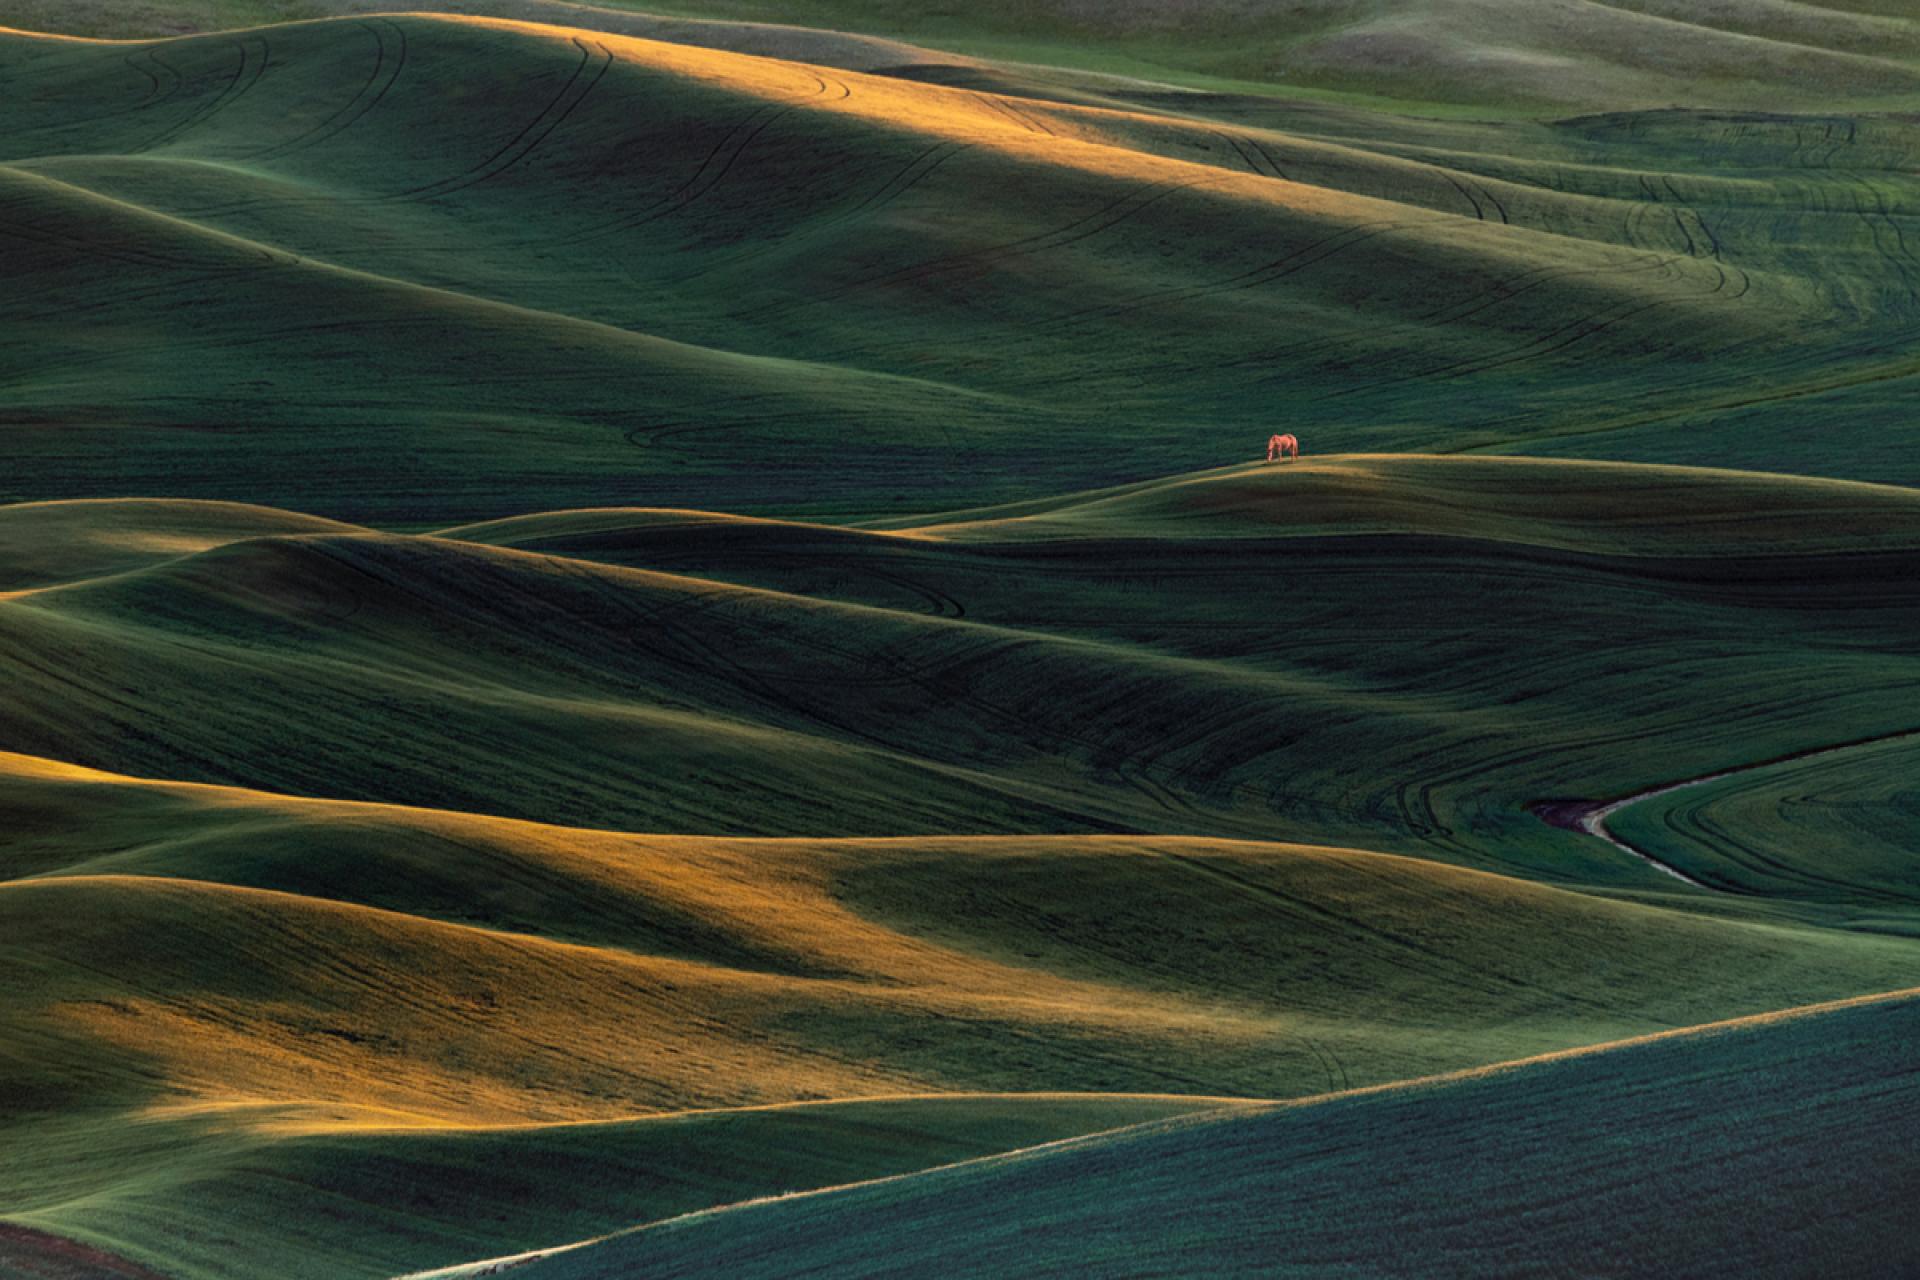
(235, 89)
(578, 88)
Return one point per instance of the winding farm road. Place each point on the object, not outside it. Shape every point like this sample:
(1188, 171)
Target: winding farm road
(1592, 819)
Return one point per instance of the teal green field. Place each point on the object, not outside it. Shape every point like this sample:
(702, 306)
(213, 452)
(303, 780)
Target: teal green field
(655, 643)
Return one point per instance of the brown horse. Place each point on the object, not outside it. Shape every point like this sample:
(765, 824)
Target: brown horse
(1282, 447)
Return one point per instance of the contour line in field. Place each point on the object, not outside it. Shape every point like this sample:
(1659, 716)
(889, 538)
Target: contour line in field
(1593, 819)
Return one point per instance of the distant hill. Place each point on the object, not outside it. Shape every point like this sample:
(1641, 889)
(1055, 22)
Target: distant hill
(423, 270)
(1528, 55)
(1315, 652)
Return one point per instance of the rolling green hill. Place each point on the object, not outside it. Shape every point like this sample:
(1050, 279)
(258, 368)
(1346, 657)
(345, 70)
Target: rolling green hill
(761, 964)
(1834, 826)
(307, 1007)
(1763, 1146)
(317, 987)
(659, 631)
(574, 270)
(1252, 653)
(1489, 53)
(365, 1194)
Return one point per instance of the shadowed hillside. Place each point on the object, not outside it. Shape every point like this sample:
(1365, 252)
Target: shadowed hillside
(1774, 1135)
(363, 1193)
(355, 991)
(1254, 653)
(651, 645)
(1831, 826)
(580, 269)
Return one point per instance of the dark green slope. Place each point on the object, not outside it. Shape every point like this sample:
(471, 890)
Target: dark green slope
(1388, 653)
(503, 267)
(262, 372)
(190, 1193)
(1770, 1147)
(1834, 826)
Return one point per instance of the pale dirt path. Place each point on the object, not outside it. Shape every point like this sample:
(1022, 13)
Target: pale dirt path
(1592, 818)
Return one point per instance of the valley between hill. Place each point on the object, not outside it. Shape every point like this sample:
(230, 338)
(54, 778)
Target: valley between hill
(851, 295)
(318, 874)
(622, 657)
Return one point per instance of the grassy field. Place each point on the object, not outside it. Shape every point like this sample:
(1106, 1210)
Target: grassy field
(1479, 52)
(367, 1195)
(425, 950)
(603, 624)
(695, 972)
(1838, 826)
(1742, 1149)
(1249, 653)
(850, 295)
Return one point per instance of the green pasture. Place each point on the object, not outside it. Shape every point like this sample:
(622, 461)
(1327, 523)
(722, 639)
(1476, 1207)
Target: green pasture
(1383, 653)
(1436, 53)
(576, 272)
(210, 1195)
(1839, 827)
(612, 641)
(1760, 1149)
(251, 1035)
